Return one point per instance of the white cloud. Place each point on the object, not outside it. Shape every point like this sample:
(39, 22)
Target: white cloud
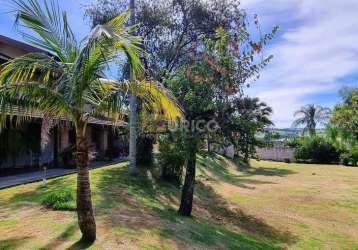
(317, 46)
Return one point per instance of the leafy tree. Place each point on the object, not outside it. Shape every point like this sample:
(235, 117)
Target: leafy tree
(172, 29)
(178, 34)
(250, 116)
(205, 89)
(67, 83)
(345, 115)
(310, 116)
(343, 131)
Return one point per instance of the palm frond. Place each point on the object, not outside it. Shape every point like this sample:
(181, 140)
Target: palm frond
(118, 37)
(32, 67)
(157, 99)
(50, 25)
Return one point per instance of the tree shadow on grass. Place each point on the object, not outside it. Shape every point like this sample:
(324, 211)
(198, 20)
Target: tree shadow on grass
(221, 211)
(144, 203)
(13, 243)
(79, 245)
(281, 172)
(60, 239)
(203, 233)
(218, 165)
(218, 168)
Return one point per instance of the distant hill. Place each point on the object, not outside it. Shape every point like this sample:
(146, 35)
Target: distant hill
(289, 132)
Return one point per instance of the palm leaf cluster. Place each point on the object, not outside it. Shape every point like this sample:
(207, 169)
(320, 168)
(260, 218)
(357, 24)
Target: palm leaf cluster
(310, 116)
(68, 81)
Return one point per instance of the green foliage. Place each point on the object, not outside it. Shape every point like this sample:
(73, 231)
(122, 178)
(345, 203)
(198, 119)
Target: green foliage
(60, 200)
(170, 29)
(249, 116)
(69, 86)
(145, 150)
(343, 128)
(171, 158)
(310, 116)
(293, 142)
(315, 149)
(350, 158)
(345, 115)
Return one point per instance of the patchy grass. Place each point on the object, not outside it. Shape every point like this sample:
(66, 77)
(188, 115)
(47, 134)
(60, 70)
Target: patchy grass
(268, 206)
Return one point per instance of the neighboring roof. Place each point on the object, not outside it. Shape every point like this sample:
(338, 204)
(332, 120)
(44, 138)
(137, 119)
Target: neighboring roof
(26, 48)
(17, 111)
(20, 45)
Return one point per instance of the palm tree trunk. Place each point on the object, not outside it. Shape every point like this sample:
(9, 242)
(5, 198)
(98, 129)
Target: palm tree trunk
(133, 114)
(187, 196)
(86, 220)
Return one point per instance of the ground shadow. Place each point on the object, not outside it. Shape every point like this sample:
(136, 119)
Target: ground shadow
(80, 245)
(218, 168)
(144, 202)
(59, 240)
(13, 243)
(221, 211)
(281, 172)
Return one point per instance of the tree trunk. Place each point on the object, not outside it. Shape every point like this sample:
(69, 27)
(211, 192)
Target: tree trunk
(133, 114)
(86, 220)
(187, 196)
(246, 149)
(208, 141)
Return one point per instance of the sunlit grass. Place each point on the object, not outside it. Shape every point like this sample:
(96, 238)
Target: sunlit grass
(268, 206)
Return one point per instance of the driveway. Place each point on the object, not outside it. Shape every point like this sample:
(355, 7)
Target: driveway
(14, 180)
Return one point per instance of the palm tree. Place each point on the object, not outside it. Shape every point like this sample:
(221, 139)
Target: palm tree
(252, 116)
(310, 116)
(133, 116)
(67, 83)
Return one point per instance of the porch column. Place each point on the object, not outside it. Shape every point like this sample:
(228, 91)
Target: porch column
(64, 138)
(104, 141)
(89, 135)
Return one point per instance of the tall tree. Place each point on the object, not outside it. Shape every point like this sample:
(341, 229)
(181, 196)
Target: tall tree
(344, 126)
(310, 116)
(205, 89)
(133, 117)
(172, 34)
(171, 29)
(67, 83)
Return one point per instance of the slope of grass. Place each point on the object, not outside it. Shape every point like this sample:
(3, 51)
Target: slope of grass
(269, 206)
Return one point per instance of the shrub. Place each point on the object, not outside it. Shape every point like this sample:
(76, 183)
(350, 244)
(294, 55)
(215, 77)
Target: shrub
(171, 159)
(145, 150)
(293, 142)
(316, 150)
(349, 158)
(60, 200)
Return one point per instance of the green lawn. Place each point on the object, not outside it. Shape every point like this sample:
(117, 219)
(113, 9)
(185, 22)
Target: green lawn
(269, 206)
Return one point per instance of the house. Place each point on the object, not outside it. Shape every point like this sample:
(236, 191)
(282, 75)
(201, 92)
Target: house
(20, 147)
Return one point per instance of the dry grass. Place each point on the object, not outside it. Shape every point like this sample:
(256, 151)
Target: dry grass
(269, 206)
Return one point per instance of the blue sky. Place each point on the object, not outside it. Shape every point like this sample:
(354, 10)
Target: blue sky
(315, 51)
